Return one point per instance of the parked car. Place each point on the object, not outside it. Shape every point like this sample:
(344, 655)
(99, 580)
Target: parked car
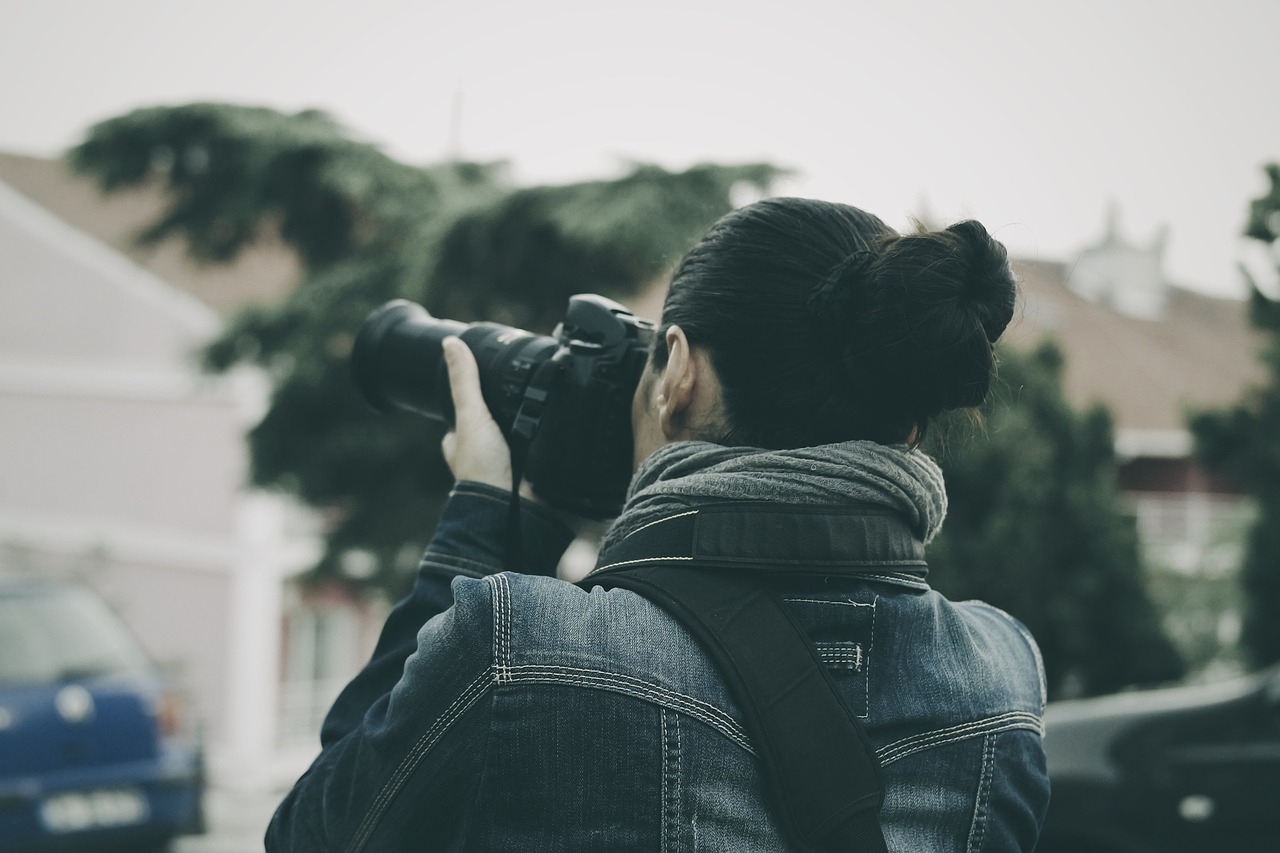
(1184, 769)
(95, 750)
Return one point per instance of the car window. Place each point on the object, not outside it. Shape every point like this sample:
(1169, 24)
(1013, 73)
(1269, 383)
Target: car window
(62, 634)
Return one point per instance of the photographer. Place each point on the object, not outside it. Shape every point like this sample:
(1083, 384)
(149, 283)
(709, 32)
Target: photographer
(803, 349)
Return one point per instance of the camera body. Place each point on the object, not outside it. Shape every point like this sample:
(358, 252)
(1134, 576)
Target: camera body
(564, 402)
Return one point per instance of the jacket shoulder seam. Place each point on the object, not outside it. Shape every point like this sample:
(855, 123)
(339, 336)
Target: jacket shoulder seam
(416, 754)
(637, 688)
(953, 734)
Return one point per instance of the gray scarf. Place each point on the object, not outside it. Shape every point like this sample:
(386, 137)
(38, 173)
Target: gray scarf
(692, 473)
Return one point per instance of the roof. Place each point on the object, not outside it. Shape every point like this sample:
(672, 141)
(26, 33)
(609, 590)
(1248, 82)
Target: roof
(61, 265)
(1200, 353)
(261, 275)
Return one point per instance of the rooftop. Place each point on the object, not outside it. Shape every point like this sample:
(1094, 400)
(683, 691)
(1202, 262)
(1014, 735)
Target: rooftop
(1199, 352)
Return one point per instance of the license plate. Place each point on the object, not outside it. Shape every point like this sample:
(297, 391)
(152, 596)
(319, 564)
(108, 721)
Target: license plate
(94, 810)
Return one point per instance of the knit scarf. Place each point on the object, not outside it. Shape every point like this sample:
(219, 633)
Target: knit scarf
(688, 474)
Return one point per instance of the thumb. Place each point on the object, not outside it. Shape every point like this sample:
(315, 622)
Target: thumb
(464, 382)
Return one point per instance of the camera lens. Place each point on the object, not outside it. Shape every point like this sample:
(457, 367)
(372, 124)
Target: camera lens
(398, 362)
(568, 396)
(398, 359)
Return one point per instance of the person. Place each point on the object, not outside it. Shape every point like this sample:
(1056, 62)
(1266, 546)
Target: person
(803, 349)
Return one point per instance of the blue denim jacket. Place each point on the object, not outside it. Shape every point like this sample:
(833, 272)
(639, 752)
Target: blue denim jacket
(506, 711)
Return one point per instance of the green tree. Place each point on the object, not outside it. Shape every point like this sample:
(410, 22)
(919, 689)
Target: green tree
(1243, 443)
(457, 237)
(1036, 527)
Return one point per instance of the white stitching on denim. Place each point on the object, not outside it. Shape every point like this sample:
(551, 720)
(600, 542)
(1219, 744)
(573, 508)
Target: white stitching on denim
(496, 604)
(511, 625)
(827, 601)
(679, 777)
(670, 817)
(501, 627)
(458, 571)
(940, 737)
(617, 676)
(662, 817)
(410, 762)
(477, 493)
(696, 708)
(504, 670)
(730, 730)
(840, 654)
(902, 579)
(1010, 719)
(978, 826)
(659, 521)
(642, 560)
(871, 647)
(451, 560)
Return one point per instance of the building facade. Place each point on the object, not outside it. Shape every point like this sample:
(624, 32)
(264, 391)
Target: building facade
(124, 466)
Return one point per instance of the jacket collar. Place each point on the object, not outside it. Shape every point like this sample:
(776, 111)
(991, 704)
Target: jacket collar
(773, 538)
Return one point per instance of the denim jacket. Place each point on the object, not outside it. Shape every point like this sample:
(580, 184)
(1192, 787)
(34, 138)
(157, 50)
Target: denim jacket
(505, 711)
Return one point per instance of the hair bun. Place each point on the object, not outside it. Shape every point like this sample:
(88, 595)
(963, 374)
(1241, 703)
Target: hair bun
(912, 321)
(986, 280)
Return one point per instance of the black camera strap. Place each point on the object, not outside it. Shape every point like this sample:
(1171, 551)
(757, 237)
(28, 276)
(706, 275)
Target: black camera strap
(513, 547)
(820, 769)
(524, 429)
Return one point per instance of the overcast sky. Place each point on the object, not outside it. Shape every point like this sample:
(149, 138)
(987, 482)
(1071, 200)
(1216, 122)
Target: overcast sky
(1031, 116)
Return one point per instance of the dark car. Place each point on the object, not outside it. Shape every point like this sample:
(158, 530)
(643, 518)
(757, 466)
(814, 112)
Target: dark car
(94, 753)
(1184, 769)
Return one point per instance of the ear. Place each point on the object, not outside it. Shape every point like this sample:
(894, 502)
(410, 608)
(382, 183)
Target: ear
(677, 386)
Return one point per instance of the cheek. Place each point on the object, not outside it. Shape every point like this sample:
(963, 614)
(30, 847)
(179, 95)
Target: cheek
(640, 400)
(641, 420)
(638, 406)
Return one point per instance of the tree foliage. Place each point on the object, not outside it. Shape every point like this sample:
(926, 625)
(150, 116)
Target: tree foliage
(1242, 442)
(457, 237)
(1036, 527)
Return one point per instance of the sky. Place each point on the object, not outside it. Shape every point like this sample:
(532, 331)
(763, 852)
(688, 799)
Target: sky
(1034, 117)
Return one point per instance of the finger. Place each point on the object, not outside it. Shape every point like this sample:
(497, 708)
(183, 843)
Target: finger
(448, 446)
(464, 381)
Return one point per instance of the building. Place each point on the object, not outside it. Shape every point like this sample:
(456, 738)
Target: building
(124, 465)
(1152, 353)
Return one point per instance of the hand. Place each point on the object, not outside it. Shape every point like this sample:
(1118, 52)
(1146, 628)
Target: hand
(475, 449)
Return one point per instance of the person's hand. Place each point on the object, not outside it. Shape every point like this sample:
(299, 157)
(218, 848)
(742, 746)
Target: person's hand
(475, 449)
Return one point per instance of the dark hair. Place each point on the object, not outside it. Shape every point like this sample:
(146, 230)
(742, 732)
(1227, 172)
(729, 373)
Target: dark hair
(824, 324)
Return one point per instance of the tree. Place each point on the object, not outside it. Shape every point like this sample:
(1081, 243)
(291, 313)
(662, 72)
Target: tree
(457, 237)
(1035, 524)
(1036, 527)
(1242, 442)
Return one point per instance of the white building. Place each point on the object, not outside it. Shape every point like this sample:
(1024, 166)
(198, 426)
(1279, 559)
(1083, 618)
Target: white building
(125, 466)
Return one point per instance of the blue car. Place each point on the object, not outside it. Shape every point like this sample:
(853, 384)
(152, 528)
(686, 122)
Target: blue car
(94, 751)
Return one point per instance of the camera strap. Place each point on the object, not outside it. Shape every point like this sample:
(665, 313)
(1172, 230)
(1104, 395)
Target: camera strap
(513, 547)
(524, 428)
(820, 770)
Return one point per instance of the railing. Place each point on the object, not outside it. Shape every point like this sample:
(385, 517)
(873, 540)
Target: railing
(1192, 532)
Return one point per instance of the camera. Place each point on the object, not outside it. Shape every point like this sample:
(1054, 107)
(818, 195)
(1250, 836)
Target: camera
(563, 402)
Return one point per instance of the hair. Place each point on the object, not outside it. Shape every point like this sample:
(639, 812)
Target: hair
(824, 324)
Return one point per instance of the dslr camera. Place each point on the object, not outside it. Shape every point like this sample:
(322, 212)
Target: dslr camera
(563, 402)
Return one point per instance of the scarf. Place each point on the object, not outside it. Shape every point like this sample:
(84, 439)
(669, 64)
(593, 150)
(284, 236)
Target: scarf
(688, 474)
